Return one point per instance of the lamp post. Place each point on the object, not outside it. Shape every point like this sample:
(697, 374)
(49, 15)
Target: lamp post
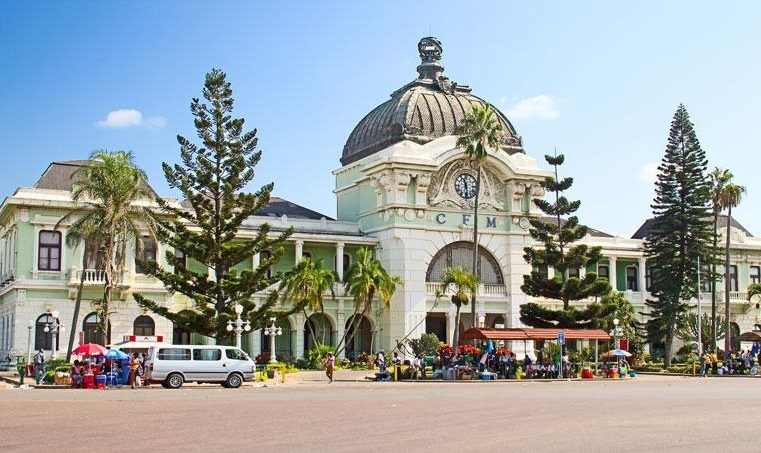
(273, 331)
(29, 327)
(615, 343)
(239, 325)
(54, 327)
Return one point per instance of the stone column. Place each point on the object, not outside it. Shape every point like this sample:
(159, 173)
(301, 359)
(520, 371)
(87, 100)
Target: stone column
(340, 260)
(257, 260)
(642, 274)
(613, 274)
(299, 250)
(255, 342)
(339, 332)
(298, 351)
(450, 326)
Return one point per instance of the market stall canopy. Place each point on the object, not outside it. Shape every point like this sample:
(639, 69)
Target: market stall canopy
(89, 349)
(751, 336)
(116, 354)
(616, 353)
(528, 333)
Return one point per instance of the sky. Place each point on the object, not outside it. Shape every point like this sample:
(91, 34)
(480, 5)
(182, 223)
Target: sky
(598, 81)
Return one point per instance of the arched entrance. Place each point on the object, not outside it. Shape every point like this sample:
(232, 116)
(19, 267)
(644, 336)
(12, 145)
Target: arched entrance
(460, 254)
(323, 331)
(144, 326)
(92, 331)
(362, 340)
(282, 342)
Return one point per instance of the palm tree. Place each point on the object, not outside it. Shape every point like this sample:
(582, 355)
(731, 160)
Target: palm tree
(730, 198)
(366, 279)
(306, 284)
(107, 189)
(479, 134)
(465, 285)
(719, 179)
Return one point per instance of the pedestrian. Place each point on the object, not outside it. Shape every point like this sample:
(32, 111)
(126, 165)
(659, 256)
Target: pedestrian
(134, 365)
(76, 374)
(330, 363)
(703, 365)
(39, 366)
(381, 362)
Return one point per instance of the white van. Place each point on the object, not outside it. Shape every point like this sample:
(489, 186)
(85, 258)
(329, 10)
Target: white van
(172, 365)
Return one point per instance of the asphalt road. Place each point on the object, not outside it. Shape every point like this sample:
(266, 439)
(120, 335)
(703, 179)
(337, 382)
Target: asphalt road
(645, 414)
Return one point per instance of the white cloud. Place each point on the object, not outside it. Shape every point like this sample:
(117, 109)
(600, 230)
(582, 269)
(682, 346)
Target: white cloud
(123, 118)
(648, 173)
(539, 107)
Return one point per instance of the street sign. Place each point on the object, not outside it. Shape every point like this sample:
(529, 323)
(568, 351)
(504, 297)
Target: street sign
(561, 337)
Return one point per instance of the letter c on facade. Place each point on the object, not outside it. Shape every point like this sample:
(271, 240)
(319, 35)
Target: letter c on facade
(441, 218)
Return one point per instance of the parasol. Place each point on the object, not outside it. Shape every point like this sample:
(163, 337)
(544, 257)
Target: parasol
(90, 349)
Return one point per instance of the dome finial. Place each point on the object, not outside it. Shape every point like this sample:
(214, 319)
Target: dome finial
(430, 56)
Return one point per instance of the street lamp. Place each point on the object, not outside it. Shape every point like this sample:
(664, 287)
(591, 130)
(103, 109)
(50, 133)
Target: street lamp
(239, 325)
(273, 331)
(54, 327)
(29, 326)
(615, 343)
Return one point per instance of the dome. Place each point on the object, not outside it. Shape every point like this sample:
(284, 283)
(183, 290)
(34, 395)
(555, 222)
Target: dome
(427, 108)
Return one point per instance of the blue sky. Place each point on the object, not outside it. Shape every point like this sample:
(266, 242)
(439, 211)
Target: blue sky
(597, 80)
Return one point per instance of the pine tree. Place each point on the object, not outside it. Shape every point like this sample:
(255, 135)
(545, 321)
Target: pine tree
(212, 178)
(560, 253)
(681, 230)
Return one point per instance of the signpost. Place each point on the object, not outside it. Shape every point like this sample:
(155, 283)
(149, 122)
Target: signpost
(561, 342)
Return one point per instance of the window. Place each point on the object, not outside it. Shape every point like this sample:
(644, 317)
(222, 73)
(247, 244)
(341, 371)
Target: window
(174, 354)
(49, 251)
(461, 254)
(648, 278)
(705, 278)
(732, 278)
(265, 255)
(755, 274)
(42, 339)
(91, 330)
(93, 255)
(544, 270)
(573, 272)
(603, 272)
(144, 326)
(181, 264)
(346, 263)
(207, 354)
(236, 354)
(146, 251)
(631, 278)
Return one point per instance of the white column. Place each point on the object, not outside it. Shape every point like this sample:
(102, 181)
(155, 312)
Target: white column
(582, 272)
(299, 250)
(612, 271)
(340, 327)
(450, 327)
(257, 260)
(340, 260)
(642, 274)
(298, 351)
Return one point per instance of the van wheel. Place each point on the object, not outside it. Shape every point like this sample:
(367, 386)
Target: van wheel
(233, 381)
(174, 381)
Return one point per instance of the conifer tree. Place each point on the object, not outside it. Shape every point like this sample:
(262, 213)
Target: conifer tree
(681, 230)
(212, 177)
(559, 252)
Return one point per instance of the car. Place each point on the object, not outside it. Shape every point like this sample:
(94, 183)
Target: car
(173, 365)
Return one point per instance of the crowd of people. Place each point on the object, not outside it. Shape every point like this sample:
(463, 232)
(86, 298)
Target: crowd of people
(741, 362)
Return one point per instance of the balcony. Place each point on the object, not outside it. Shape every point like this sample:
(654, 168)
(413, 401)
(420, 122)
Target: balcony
(96, 277)
(735, 297)
(483, 290)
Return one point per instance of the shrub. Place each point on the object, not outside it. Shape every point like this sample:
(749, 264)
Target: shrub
(424, 346)
(316, 355)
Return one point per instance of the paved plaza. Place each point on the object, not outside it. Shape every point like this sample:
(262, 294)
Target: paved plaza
(651, 413)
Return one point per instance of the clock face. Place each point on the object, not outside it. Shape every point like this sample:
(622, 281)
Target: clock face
(465, 186)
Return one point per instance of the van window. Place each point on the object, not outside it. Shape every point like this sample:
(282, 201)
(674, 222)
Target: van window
(207, 354)
(236, 354)
(174, 354)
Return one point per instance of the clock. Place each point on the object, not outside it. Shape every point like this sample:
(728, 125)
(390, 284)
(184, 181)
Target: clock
(465, 186)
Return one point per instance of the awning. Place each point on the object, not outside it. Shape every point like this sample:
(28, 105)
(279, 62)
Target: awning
(751, 336)
(527, 333)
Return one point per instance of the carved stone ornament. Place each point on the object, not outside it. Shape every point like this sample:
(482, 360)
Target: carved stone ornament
(441, 190)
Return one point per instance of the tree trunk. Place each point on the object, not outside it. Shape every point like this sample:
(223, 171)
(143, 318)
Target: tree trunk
(727, 287)
(456, 335)
(475, 244)
(713, 278)
(77, 305)
(668, 346)
(341, 342)
(309, 325)
(355, 322)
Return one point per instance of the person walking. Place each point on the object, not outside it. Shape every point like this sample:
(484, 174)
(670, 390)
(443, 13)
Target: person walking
(330, 363)
(703, 365)
(39, 366)
(134, 365)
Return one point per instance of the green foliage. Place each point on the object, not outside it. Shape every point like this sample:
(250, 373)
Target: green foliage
(754, 290)
(681, 230)
(426, 345)
(590, 317)
(557, 250)
(687, 329)
(617, 306)
(316, 356)
(306, 285)
(465, 286)
(480, 132)
(212, 178)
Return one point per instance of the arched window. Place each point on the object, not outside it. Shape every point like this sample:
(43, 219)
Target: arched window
(362, 340)
(461, 254)
(144, 326)
(42, 339)
(92, 331)
(320, 325)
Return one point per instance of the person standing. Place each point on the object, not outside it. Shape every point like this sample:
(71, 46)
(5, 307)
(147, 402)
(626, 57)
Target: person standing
(134, 365)
(39, 366)
(330, 363)
(703, 365)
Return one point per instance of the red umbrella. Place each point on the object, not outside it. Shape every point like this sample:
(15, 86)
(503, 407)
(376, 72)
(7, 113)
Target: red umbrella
(90, 349)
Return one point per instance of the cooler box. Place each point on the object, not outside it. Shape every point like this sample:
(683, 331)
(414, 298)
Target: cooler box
(88, 381)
